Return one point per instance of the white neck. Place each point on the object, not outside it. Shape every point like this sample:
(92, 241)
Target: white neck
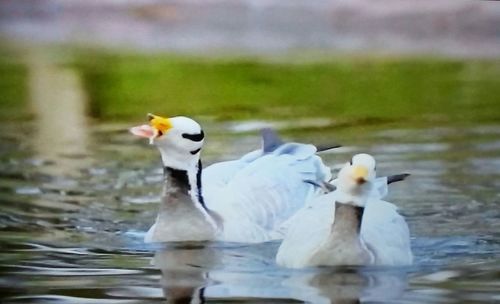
(179, 160)
(356, 196)
(351, 199)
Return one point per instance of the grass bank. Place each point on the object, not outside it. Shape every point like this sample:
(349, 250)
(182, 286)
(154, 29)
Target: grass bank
(347, 89)
(122, 87)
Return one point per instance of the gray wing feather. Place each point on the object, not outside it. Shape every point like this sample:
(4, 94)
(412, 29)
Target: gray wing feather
(270, 139)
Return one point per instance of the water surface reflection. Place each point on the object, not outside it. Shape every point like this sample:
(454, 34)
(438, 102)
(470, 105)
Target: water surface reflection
(78, 238)
(195, 273)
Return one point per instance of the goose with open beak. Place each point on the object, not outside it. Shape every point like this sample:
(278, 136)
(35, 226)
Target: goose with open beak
(245, 200)
(350, 226)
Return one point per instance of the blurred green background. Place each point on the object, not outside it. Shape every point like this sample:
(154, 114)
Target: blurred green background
(347, 89)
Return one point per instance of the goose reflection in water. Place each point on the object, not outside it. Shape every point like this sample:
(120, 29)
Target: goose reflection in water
(204, 272)
(185, 271)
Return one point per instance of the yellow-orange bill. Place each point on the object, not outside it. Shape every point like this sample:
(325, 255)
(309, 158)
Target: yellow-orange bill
(360, 172)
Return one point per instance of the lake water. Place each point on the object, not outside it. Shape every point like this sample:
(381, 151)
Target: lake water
(75, 204)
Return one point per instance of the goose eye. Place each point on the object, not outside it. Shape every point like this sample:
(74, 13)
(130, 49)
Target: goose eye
(350, 161)
(160, 133)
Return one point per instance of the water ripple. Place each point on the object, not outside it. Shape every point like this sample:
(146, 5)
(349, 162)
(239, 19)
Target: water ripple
(79, 238)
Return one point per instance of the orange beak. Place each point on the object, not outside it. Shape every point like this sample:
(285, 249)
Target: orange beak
(157, 126)
(360, 174)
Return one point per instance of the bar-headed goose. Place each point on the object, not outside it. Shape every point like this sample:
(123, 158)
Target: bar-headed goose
(244, 200)
(349, 226)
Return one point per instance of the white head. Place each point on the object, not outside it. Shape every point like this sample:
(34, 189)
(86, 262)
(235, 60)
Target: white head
(179, 140)
(356, 179)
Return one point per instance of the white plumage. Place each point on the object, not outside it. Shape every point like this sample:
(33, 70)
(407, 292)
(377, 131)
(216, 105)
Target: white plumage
(245, 200)
(382, 239)
(262, 190)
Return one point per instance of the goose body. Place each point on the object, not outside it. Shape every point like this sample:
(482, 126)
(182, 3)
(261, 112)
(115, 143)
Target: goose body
(349, 226)
(245, 200)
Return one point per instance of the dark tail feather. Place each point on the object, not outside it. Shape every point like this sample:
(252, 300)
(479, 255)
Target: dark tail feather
(397, 178)
(329, 147)
(327, 187)
(270, 139)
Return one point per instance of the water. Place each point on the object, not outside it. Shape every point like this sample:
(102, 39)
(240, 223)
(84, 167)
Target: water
(72, 219)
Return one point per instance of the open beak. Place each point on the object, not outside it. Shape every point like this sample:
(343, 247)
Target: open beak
(157, 127)
(360, 174)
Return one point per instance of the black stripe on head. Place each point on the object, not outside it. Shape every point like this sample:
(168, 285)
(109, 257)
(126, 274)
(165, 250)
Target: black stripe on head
(194, 137)
(195, 151)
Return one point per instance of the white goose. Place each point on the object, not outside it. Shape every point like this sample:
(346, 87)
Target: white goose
(349, 226)
(244, 200)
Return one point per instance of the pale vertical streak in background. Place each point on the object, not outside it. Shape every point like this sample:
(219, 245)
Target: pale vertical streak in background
(59, 104)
